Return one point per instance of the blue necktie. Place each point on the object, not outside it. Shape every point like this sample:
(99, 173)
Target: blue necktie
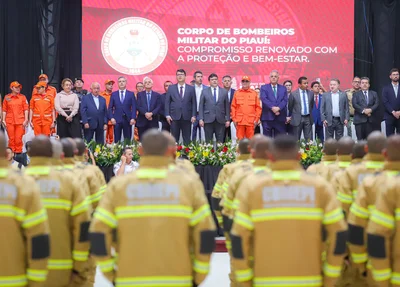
(148, 101)
(305, 108)
(366, 97)
(274, 91)
(122, 96)
(215, 94)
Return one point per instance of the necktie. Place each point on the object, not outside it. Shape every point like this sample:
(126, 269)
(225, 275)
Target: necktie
(316, 101)
(122, 96)
(274, 88)
(305, 108)
(396, 89)
(181, 92)
(366, 97)
(215, 94)
(148, 101)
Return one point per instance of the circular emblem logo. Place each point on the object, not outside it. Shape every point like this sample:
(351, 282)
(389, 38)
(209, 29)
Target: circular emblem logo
(134, 46)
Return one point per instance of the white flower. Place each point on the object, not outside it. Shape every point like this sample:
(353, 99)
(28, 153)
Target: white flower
(301, 150)
(320, 145)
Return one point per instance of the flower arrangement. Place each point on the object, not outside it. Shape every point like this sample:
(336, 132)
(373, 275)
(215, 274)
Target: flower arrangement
(207, 154)
(109, 154)
(311, 152)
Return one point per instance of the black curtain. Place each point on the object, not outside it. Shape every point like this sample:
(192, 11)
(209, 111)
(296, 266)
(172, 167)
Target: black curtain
(39, 36)
(19, 45)
(377, 34)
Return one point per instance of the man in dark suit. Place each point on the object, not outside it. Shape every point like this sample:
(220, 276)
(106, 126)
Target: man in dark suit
(288, 85)
(214, 110)
(300, 104)
(274, 102)
(161, 113)
(198, 88)
(148, 106)
(94, 114)
(316, 112)
(180, 107)
(227, 82)
(335, 112)
(366, 104)
(391, 101)
(122, 111)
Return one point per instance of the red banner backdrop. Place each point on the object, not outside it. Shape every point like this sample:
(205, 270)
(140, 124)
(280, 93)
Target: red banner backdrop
(229, 37)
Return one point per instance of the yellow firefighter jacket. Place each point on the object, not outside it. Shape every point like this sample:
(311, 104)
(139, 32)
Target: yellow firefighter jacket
(165, 229)
(322, 168)
(25, 241)
(383, 235)
(347, 186)
(282, 220)
(361, 209)
(95, 179)
(69, 219)
(221, 186)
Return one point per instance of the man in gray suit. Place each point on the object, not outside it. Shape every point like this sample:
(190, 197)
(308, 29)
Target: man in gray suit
(335, 112)
(214, 110)
(300, 106)
(365, 103)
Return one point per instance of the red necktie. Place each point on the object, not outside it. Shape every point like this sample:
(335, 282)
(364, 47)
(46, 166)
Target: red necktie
(316, 101)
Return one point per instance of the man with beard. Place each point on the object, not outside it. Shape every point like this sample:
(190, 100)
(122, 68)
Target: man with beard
(391, 101)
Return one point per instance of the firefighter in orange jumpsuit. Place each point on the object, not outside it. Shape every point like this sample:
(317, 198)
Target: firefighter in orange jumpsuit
(245, 110)
(42, 115)
(107, 96)
(15, 116)
(51, 91)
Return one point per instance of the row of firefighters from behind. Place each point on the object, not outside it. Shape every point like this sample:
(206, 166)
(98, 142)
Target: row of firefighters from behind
(165, 233)
(289, 226)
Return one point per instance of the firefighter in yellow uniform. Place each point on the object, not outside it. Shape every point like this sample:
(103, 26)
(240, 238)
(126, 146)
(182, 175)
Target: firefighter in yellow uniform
(358, 152)
(383, 235)
(57, 150)
(352, 176)
(165, 229)
(259, 145)
(69, 216)
(344, 151)
(220, 186)
(93, 174)
(364, 204)
(279, 222)
(329, 157)
(25, 244)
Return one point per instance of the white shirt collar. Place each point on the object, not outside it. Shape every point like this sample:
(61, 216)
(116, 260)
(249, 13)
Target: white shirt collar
(122, 91)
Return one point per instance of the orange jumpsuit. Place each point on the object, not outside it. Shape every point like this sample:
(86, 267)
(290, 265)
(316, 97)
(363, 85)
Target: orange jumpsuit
(51, 91)
(42, 107)
(245, 110)
(110, 126)
(15, 106)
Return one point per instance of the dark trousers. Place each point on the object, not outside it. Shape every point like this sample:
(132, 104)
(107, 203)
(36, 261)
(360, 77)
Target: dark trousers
(145, 128)
(196, 128)
(257, 130)
(68, 129)
(289, 129)
(319, 133)
(164, 124)
(305, 127)
(363, 130)
(184, 126)
(227, 135)
(392, 127)
(89, 133)
(125, 127)
(214, 127)
(335, 130)
(273, 128)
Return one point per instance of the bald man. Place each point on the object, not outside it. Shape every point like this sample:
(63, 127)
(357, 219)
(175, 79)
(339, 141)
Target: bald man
(25, 237)
(136, 200)
(329, 157)
(69, 216)
(94, 114)
(344, 152)
(353, 175)
(56, 159)
(368, 191)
